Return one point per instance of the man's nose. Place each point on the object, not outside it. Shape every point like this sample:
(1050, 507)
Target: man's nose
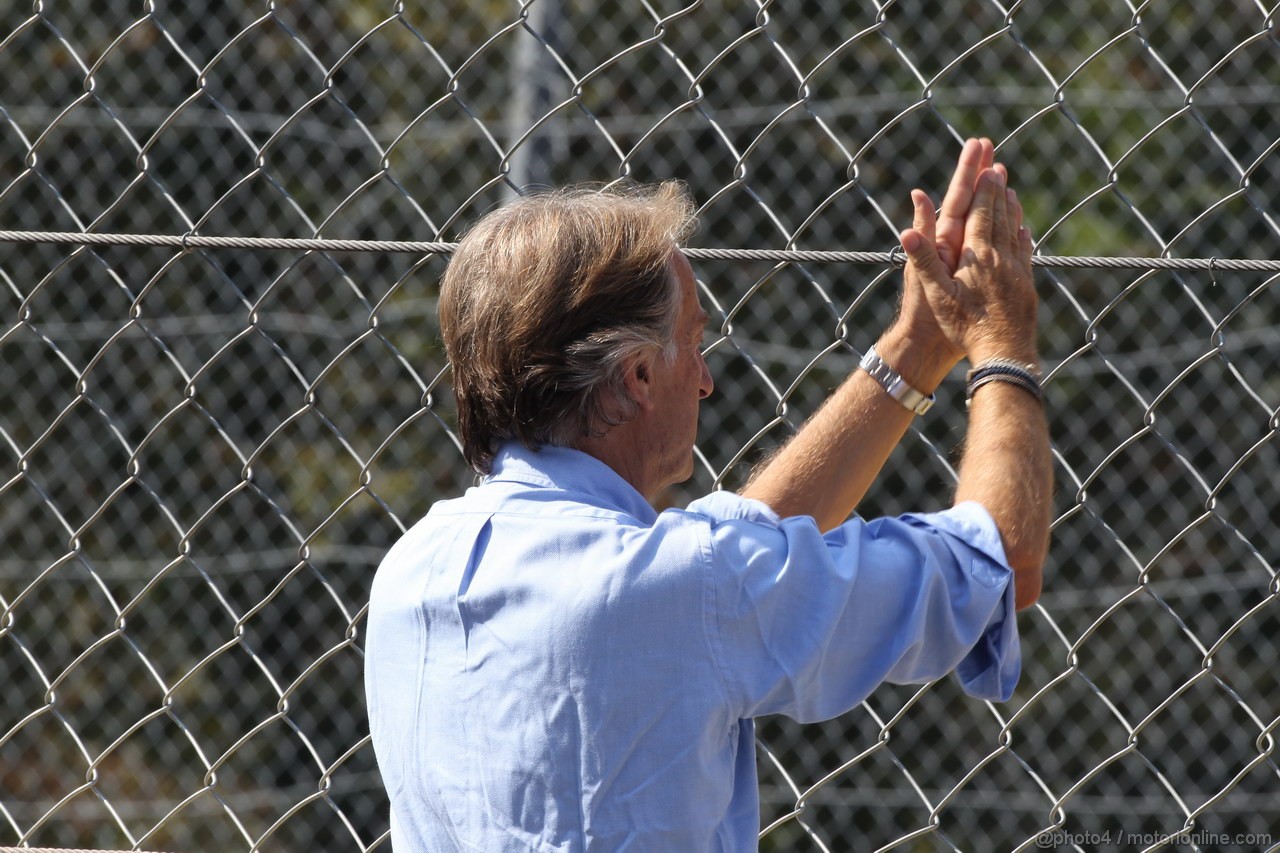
(707, 384)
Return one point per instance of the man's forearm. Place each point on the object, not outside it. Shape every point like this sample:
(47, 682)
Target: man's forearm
(985, 308)
(1008, 469)
(826, 468)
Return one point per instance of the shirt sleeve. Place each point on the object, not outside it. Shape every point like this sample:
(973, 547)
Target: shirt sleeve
(808, 625)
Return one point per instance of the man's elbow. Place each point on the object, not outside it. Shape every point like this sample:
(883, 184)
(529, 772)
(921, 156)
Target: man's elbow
(1028, 575)
(1026, 588)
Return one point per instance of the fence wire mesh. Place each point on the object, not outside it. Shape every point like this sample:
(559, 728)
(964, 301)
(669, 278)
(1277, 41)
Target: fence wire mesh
(207, 451)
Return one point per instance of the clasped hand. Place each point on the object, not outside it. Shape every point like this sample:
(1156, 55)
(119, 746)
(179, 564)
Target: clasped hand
(968, 285)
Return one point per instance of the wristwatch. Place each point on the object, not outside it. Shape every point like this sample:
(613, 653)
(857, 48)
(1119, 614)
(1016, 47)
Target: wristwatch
(893, 384)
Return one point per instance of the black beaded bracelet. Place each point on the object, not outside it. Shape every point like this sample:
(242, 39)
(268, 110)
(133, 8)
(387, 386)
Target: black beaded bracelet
(1029, 366)
(1002, 371)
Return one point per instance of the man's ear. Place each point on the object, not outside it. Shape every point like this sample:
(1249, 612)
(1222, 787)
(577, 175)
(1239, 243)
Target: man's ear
(638, 381)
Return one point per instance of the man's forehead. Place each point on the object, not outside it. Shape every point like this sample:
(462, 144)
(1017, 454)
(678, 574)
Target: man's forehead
(683, 271)
(700, 315)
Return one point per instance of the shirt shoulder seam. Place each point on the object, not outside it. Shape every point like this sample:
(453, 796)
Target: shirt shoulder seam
(711, 612)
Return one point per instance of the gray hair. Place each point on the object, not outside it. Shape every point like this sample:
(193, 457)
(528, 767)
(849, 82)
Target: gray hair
(549, 301)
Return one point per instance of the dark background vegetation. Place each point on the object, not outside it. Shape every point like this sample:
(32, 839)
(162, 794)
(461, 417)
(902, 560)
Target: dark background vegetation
(203, 455)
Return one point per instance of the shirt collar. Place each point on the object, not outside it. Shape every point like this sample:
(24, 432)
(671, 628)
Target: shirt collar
(570, 470)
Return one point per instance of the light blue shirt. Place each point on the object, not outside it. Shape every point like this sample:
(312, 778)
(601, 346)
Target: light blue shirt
(553, 665)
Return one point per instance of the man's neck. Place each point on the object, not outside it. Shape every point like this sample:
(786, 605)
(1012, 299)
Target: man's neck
(623, 450)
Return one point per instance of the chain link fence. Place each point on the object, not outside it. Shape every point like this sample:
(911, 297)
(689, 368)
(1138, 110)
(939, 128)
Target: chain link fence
(205, 452)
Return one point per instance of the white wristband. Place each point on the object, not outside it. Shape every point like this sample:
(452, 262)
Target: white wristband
(893, 384)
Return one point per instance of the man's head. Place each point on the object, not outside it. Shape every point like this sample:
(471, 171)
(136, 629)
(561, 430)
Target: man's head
(554, 304)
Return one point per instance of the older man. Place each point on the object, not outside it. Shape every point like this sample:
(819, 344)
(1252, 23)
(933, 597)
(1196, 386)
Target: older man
(553, 665)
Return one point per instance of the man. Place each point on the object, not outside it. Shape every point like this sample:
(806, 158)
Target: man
(552, 665)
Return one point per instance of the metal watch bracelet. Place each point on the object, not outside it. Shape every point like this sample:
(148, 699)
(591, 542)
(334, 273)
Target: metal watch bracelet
(893, 383)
